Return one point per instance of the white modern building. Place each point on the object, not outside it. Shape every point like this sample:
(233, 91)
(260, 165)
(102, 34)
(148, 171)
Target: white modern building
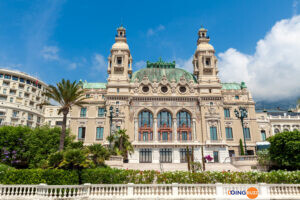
(20, 99)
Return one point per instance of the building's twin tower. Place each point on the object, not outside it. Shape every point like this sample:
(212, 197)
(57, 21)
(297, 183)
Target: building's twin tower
(120, 60)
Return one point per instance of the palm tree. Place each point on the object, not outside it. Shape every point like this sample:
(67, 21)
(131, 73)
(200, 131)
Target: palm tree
(121, 144)
(67, 94)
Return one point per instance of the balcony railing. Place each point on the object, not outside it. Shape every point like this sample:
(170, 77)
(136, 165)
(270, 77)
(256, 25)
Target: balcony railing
(147, 191)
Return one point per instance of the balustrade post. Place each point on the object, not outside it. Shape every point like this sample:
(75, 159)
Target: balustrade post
(41, 188)
(219, 191)
(130, 190)
(87, 187)
(264, 192)
(175, 189)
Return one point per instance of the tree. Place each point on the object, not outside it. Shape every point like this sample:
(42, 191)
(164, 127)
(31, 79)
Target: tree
(98, 154)
(263, 158)
(121, 144)
(285, 149)
(242, 148)
(67, 94)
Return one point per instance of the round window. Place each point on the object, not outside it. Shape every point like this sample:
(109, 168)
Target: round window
(182, 89)
(145, 89)
(164, 89)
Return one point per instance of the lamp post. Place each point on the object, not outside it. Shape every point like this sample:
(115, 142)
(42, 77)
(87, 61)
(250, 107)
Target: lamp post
(241, 114)
(112, 114)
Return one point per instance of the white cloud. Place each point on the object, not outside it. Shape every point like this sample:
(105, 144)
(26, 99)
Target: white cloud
(295, 7)
(73, 66)
(50, 53)
(185, 64)
(273, 71)
(99, 62)
(139, 65)
(153, 31)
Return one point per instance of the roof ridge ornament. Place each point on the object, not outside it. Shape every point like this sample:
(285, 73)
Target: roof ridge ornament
(161, 64)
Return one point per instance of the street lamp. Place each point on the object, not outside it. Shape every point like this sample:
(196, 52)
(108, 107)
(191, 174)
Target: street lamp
(241, 114)
(112, 114)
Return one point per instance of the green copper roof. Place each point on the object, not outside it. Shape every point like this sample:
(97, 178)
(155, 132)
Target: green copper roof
(158, 73)
(86, 85)
(233, 86)
(155, 72)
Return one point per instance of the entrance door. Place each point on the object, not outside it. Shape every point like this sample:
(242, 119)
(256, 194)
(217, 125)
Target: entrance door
(216, 156)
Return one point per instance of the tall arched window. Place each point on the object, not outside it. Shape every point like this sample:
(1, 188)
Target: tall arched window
(145, 126)
(184, 131)
(164, 124)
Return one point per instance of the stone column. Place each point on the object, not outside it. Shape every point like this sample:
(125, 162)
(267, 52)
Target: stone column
(194, 130)
(155, 155)
(174, 130)
(136, 138)
(176, 155)
(155, 129)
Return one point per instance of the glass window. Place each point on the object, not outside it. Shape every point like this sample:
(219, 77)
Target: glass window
(183, 155)
(99, 133)
(145, 136)
(184, 135)
(213, 133)
(81, 132)
(7, 76)
(228, 131)
(226, 112)
(165, 155)
(165, 136)
(119, 60)
(145, 155)
(164, 119)
(100, 112)
(183, 119)
(1, 75)
(145, 119)
(118, 90)
(87, 95)
(22, 80)
(28, 82)
(236, 97)
(4, 91)
(15, 78)
(263, 135)
(216, 156)
(15, 113)
(11, 99)
(38, 119)
(39, 86)
(83, 112)
(247, 133)
(276, 130)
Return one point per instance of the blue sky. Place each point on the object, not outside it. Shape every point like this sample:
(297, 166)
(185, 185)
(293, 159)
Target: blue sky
(72, 39)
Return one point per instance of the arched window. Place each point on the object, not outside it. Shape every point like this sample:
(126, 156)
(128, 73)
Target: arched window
(145, 126)
(276, 130)
(184, 131)
(164, 124)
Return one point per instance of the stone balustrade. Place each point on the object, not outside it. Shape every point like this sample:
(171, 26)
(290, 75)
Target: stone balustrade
(149, 191)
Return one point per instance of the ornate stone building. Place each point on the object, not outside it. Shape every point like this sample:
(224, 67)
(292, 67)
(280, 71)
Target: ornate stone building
(166, 109)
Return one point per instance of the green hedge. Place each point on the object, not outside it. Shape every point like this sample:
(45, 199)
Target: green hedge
(116, 176)
(119, 176)
(37, 176)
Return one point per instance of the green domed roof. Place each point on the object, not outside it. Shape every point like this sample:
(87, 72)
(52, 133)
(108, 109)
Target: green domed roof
(156, 71)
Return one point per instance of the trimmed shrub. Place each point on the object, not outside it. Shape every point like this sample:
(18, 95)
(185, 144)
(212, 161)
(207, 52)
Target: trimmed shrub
(37, 176)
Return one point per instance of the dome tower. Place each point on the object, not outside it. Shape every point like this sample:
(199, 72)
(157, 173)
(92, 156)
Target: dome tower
(119, 61)
(205, 61)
